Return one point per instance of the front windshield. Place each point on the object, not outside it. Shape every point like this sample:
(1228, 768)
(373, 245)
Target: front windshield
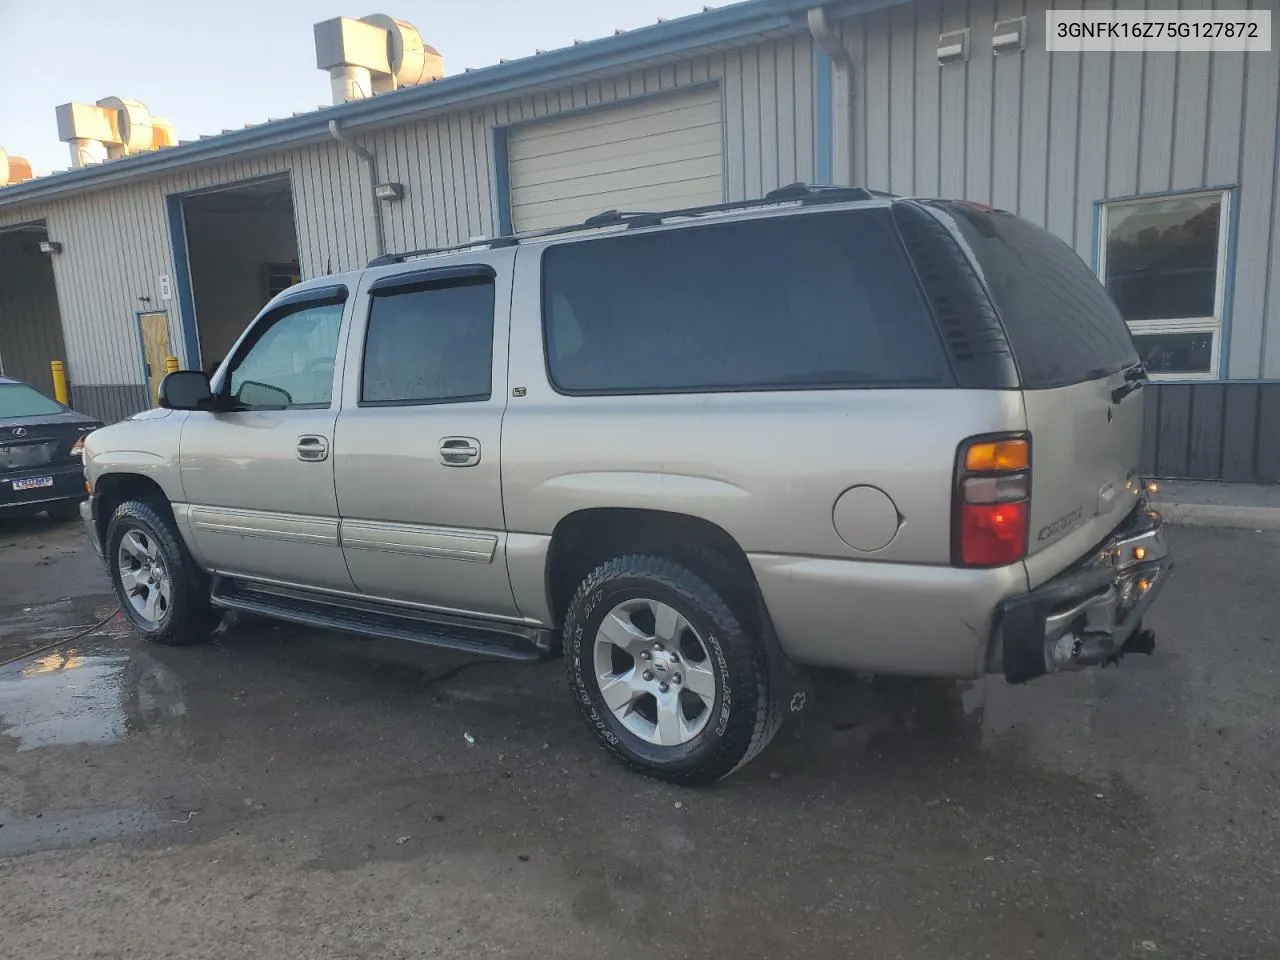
(20, 400)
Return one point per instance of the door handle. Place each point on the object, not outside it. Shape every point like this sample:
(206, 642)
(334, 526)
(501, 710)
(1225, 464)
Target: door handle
(313, 449)
(459, 451)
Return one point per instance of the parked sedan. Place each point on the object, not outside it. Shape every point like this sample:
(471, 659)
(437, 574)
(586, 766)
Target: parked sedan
(41, 445)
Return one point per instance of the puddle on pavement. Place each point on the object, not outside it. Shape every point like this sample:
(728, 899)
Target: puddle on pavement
(86, 696)
(64, 697)
(26, 628)
(70, 828)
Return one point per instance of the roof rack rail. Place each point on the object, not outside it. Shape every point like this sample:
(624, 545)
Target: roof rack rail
(803, 193)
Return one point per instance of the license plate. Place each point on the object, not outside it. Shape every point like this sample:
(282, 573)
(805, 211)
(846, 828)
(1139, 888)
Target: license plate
(33, 483)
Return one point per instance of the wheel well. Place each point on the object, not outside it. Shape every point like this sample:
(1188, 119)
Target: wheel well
(115, 488)
(584, 540)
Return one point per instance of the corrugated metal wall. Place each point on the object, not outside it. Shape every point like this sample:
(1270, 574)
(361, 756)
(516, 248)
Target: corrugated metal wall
(1213, 431)
(30, 334)
(116, 245)
(1049, 135)
(116, 241)
(447, 163)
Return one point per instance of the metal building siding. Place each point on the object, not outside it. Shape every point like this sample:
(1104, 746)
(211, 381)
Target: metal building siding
(117, 243)
(1050, 135)
(447, 164)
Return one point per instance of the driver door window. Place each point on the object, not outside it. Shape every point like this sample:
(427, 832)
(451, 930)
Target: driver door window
(289, 364)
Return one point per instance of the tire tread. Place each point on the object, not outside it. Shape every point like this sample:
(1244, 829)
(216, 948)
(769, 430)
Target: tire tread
(751, 726)
(195, 617)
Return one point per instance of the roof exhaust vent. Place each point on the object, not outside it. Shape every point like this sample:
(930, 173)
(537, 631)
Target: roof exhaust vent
(13, 169)
(372, 55)
(110, 129)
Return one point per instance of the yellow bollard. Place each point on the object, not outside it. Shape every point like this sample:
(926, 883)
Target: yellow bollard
(170, 364)
(60, 392)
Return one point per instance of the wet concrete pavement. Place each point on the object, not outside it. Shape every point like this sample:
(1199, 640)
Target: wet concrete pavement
(280, 792)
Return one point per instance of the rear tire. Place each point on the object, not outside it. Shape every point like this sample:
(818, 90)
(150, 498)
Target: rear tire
(664, 672)
(160, 587)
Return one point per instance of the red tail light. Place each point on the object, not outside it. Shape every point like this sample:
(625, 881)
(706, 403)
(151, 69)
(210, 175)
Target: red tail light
(992, 501)
(993, 534)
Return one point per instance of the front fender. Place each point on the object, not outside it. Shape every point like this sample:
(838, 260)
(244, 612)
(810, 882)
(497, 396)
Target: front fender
(145, 446)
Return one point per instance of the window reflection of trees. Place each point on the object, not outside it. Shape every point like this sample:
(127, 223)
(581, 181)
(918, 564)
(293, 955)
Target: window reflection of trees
(1166, 270)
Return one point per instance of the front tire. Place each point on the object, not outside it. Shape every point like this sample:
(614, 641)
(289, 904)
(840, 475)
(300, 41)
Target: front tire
(159, 586)
(664, 672)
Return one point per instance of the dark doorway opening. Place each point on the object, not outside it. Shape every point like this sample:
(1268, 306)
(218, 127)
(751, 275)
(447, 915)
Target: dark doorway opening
(30, 323)
(242, 249)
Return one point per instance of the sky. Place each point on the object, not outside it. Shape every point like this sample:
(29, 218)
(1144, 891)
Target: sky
(209, 67)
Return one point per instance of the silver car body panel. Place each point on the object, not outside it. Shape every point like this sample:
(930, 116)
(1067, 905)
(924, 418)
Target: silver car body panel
(416, 528)
(256, 509)
(1084, 470)
(144, 445)
(884, 617)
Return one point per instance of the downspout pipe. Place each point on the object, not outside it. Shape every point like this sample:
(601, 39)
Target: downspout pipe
(370, 163)
(825, 36)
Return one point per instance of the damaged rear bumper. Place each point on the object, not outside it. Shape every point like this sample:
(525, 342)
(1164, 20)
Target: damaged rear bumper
(1091, 614)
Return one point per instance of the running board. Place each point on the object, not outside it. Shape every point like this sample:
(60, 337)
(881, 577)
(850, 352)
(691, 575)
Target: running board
(373, 619)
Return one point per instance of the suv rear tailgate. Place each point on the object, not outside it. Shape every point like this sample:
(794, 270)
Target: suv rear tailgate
(1084, 462)
(1081, 381)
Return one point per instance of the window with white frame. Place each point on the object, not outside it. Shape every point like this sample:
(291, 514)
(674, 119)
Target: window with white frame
(1164, 262)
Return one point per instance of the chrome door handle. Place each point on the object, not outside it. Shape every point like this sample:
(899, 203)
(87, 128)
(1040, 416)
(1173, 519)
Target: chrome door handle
(459, 451)
(313, 449)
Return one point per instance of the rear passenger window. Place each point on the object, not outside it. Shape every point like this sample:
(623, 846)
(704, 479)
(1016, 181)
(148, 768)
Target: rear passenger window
(808, 301)
(429, 344)
(1062, 325)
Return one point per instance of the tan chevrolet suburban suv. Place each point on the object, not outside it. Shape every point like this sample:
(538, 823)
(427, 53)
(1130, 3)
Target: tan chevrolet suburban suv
(693, 449)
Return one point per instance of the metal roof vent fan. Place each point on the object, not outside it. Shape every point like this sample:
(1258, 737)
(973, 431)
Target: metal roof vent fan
(110, 129)
(372, 55)
(13, 169)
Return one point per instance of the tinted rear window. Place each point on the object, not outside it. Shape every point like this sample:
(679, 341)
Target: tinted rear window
(1062, 325)
(797, 302)
(19, 400)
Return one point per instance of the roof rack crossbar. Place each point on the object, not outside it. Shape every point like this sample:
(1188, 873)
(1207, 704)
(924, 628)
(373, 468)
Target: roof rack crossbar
(803, 193)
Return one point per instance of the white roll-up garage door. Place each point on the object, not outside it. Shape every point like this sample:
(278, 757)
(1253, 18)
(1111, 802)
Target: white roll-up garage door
(662, 153)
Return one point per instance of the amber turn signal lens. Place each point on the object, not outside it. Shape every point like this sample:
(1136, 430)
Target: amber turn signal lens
(997, 455)
(1139, 553)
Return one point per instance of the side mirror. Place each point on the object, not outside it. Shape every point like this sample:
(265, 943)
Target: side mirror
(185, 390)
(263, 396)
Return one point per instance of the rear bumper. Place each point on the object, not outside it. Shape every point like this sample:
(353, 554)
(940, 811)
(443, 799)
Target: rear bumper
(68, 484)
(1092, 613)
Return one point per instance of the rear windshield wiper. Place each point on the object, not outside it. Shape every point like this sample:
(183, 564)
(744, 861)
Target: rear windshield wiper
(1136, 372)
(1135, 377)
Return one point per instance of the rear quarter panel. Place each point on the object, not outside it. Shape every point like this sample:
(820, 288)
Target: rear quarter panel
(767, 467)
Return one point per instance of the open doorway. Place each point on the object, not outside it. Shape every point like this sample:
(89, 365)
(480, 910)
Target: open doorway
(30, 324)
(242, 249)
